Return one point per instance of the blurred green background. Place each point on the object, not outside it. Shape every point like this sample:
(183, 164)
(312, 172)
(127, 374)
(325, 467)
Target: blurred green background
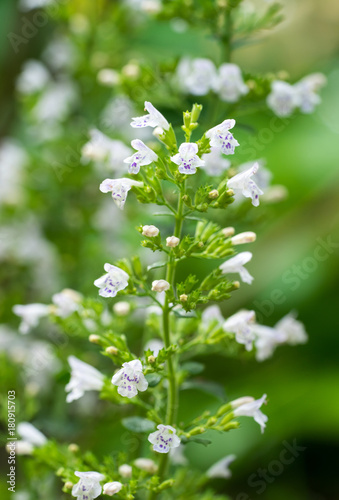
(295, 262)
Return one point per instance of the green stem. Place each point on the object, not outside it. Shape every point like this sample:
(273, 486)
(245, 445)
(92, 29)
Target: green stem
(172, 399)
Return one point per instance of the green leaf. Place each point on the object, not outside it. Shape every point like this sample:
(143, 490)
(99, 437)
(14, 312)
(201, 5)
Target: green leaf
(193, 367)
(156, 265)
(153, 379)
(138, 424)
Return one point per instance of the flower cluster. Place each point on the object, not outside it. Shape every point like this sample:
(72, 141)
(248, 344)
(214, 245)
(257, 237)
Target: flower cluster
(200, 76)
(285, 98)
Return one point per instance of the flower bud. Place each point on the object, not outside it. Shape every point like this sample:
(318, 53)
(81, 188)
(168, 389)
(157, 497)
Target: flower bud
(172, 241)
(112, 488)
(122, 308)
(108, 77)
(73, 447)
(228, 231)
(160, 286)
(247, 237)
(183, 297)
(213, 194)
(95, 339)
(68, 485)
(125, 470)
(146, 464)
(151, 359)
(150, 231)
(112, 350)
(241, 401)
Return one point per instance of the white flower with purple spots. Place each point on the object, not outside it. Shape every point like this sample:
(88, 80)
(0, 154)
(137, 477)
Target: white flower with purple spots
(130, 379)
(153, 119)
(113, 282)
(244, 183)
(143, 156)
(252, 409)
(89, 486)
(119, 189)
(240, 325)
(221, 137)
(187, 158)
(236, 265)
(164, 439)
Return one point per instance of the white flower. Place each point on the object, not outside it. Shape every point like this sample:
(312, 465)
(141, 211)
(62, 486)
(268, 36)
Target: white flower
(119, 189)
(241, 401)
(212, 314)
(122, 308)
(56, 101)
(293, 330)
(21, 447)
(221, 137)
(13, 160)
(243, 182)
(67, 301)
(33, 78)
(220, 468)
(31, 434)
(306, 91)
(125, 471)
(146, 464)
(172, 241)
(27, 5)
(215, 164)
(89, 486)
(252, 409)
(187, 158)
(112, 488)
(144, 156)
(30, 315)
(84, 378)
(262, 177)
(230, 84)
(108, 77)
(197, 76)
(266, 340)
(130, 379)
(239, 324)
(104, 151)
(283, 98)
(236, 265)
(241, 238)
(164, 439)
(177, 456)
(153, 119)
(113, 282)
(150, 231)
(160, 286)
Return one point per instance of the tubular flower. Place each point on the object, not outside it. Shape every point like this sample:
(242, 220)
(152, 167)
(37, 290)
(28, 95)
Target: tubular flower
(143, 156)
(130, 379)
(153, 119)
(164, 439)
(221, 137)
